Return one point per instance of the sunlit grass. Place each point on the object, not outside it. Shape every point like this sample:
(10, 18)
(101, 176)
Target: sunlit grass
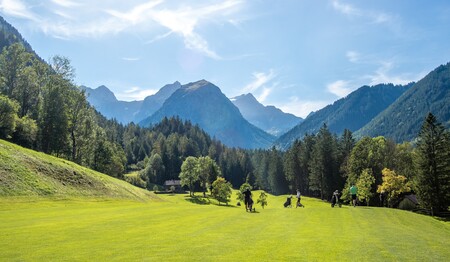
(178, 228)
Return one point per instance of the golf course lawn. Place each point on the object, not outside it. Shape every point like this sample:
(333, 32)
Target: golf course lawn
(178, 228)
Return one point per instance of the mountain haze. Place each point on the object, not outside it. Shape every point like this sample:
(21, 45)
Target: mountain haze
(402, 120)
(204, 104)
(125, 112)
(351, 112)
(107, 104)
(268, 118)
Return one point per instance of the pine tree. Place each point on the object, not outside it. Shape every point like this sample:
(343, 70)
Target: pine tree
(433, 165)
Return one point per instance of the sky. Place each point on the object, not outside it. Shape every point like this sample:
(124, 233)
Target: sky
(298, 55)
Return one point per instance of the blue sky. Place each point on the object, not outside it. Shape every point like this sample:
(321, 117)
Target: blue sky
(298, 55)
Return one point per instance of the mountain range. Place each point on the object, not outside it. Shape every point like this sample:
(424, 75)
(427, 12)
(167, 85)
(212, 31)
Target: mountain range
(351, 112)
(204, 104)
(268, 118)
(395, 112)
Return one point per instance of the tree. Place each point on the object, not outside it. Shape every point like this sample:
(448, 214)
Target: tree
(189, 173)
(394, 185)
(154, 169)
(433, 165)
(26, 132)
(208, 170)
(262, 199)
(323, 164)
(221, 190)
(364, 185)
(8, 116)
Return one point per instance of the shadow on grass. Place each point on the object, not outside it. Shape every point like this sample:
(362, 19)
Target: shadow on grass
(198, 200)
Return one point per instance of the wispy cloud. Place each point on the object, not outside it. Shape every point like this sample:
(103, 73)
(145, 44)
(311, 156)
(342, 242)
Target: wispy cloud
(135, 93)
(69, 19)
(352, 11)
(16, 8)
(353, 56)
(340, 88)
(131, 59)
(66, 3)
(301, 108)
(383, 74)
(260, 79)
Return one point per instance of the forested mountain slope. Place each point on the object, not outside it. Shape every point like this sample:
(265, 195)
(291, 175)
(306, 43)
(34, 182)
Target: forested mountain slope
(402, 120)
(204, 104)
(351, 112)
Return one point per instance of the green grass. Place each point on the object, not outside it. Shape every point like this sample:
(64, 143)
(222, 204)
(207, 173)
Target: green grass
(26, 173)
(55, 210)
(180, 229)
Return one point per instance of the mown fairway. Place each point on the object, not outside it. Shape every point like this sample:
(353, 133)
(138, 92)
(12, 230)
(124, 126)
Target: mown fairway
(179, 229)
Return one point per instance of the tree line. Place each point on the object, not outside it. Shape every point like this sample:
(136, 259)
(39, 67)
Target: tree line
(42, 108)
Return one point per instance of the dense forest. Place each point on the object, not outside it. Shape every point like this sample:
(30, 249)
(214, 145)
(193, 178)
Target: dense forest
(42, 108)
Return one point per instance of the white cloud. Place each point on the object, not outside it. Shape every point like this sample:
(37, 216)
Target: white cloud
(16, 8)
(135, 93)
(259, 80)
(264, 94)
(346, 9)
(301, 108)
(131, 59)
(340, 88)
(353, 56)
(352, 11)
(68, 19)
(383, 75)
(66, 3)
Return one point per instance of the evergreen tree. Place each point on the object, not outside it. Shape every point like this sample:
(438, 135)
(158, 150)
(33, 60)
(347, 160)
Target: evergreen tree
(323, 164)
(433, 165)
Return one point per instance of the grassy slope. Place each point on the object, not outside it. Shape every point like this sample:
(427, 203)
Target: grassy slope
(28, 173)
(179, 229)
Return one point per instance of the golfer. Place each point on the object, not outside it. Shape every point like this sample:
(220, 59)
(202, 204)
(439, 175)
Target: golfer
(353, 193)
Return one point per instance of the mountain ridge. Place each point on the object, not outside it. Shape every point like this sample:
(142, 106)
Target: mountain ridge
(204, 104)
(269, 118)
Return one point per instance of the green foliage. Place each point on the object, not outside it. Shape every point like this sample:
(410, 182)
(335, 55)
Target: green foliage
(394, 185)
(8, 116)
(26, 132)
(262, 199)
(221, 190)
(189, 173)
(433, 165)
(364, 185)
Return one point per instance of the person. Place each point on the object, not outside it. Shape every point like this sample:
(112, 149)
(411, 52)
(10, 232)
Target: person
(382, 198)
(353, 193)
(298, 199)
(247, 199)
(335, 199)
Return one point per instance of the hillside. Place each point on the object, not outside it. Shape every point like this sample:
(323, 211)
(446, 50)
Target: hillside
(403, 119)
(25, 172)
(351, 112)
(204, 104)
(9, 35)
(268, 118)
